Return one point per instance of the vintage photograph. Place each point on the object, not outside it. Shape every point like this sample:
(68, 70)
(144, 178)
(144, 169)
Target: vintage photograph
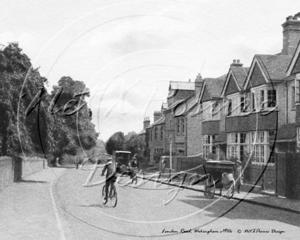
(149, 119)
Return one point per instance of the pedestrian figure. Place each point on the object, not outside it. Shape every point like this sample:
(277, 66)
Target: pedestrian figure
(57, 162)
(163, 165)
(238, 175)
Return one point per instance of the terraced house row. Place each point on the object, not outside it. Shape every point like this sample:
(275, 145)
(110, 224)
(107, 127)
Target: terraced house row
(249, 113)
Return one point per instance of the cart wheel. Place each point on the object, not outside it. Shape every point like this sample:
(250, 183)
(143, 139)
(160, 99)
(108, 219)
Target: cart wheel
(209, 187)
(228, 190)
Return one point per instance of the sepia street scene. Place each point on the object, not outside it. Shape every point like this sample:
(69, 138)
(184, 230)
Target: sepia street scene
(171, 119)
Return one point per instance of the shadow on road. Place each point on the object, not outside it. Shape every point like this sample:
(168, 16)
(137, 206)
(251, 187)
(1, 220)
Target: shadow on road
(234, 210)
(32, 181)
(96, 205)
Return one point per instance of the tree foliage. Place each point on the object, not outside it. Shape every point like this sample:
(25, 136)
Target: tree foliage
(130, 142)
(115, 142)
(34, 121)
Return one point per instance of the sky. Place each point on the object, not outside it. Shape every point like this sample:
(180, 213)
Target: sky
(127, 52)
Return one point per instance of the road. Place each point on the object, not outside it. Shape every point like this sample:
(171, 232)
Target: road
(142, 214)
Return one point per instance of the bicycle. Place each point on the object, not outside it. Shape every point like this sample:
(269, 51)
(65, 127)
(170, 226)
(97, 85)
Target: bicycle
(112, 195)
(132, 172)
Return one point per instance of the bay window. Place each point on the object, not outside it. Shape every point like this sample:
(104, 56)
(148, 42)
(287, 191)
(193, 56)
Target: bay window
(208, 146)
(261, 147)
(211, 110)
(297, 88)
(263, 98)
(237, 145)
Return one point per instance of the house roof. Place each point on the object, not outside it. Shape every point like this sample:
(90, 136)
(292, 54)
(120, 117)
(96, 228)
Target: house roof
(176, 85)
(159, 121)
(185, 106)
(274, 66)
(215, 85)
(142, 132)
(173, 105)
(291, 77)
(240, 74)
(293, 60)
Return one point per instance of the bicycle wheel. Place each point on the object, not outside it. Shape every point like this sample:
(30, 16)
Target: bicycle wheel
(209, 187)
(103, 195)
(134, 178)
(113, 196)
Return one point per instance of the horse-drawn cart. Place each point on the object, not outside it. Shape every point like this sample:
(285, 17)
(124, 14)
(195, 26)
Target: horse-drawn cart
(219, 175)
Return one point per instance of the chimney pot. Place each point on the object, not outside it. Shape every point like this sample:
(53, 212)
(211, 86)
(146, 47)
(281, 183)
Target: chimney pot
(291, 35)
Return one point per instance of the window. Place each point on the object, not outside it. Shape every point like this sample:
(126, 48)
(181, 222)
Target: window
(215, 111)
(211, 110)
(178, 125)
(229, 108)
(155, 133)
(208, 146)
(293, 100)
(263, 99)
(271, 98)
(161, 133)
(237, 145)
(237, 104)
(261, 147)
(298, 139)
(253, 101)
(182, 125)
(297, 88)
(243, 104)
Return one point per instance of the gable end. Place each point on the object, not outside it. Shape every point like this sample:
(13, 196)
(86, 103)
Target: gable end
(231, 86)
(296, 68)
(257, 78)
(206, 96)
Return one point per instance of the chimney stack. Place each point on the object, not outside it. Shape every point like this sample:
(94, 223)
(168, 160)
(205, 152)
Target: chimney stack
(146, 122)
(198, 84)
(291, 34)
(157, 115)
(236, 63)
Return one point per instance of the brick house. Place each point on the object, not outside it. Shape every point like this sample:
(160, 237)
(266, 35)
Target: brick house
(156, 135)
(210, 106)
(179, 92)
(251, 114)
(193, 122)
(234, 104)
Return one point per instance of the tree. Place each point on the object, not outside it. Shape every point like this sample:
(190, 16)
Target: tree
(35, 122)
(74, 128)
(115, 142)
(134, 144)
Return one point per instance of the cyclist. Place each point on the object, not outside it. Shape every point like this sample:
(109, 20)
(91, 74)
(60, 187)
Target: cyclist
(132, 167)
(111, 169)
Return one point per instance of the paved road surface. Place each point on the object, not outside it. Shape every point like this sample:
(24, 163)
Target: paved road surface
(141, 214)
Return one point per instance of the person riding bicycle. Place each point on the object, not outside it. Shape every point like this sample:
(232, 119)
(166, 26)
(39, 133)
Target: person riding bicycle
(132, 167)
(111, 169)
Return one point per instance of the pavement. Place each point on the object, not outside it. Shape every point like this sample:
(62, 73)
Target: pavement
(28, 209)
